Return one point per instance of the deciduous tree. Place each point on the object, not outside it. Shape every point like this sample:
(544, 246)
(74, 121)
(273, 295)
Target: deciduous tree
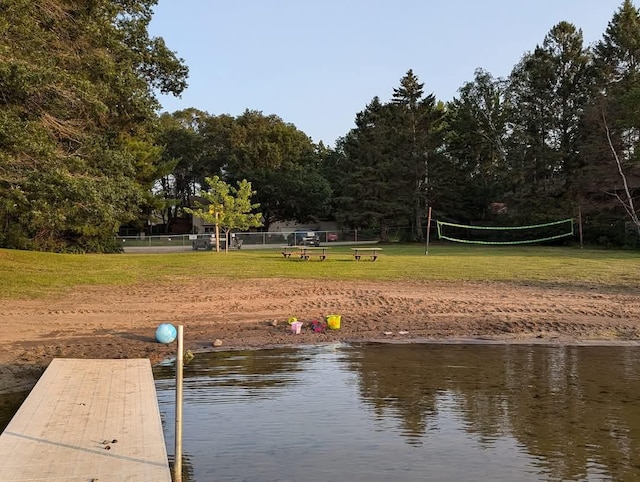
(76, 155)
(477, 135)
(227, 207)
(280, 161)
(613, 129)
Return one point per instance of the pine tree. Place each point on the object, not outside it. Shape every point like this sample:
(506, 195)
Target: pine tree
(549, 90)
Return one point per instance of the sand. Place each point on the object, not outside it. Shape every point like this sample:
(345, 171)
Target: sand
(107, 322)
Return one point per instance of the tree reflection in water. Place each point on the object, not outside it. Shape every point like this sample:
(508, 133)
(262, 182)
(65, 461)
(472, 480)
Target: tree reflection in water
(571, 407)
(401, 412)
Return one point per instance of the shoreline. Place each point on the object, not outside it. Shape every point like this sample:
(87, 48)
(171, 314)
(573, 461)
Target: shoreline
(101, 322)
(22, 378)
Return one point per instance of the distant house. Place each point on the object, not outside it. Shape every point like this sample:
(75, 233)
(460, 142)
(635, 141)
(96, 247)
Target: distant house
(498, 208)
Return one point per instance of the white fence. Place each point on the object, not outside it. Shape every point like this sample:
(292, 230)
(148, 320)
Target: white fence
(243, 240)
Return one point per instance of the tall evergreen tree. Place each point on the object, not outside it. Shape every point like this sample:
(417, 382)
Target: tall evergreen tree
(374, 192)
(618, 53)
(419, 136)
(388, 161)
(411, 154)
(549, 90)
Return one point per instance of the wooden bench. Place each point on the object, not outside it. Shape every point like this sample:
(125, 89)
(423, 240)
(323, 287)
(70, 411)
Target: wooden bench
(372, 253)
(304, 252)
(287, 251)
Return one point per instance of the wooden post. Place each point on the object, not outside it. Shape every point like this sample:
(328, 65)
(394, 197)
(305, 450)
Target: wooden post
(580, 225)
(177, 466)
(428, 230)
(217, 234)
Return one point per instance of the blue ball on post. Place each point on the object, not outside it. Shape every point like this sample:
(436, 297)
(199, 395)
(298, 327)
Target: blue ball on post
(166, 333)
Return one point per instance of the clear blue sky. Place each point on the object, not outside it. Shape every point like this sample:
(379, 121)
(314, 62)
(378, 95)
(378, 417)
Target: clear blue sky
(317, 63)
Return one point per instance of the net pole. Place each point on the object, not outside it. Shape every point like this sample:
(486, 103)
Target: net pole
(426, 251)
(580, 225)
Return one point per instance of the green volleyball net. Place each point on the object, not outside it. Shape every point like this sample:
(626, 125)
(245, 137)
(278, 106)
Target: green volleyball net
(531, 234)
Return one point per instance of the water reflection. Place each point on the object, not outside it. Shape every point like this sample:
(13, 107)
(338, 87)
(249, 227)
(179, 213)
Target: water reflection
(410, 412)
(9, 405)
(575, 409)
(243, 373)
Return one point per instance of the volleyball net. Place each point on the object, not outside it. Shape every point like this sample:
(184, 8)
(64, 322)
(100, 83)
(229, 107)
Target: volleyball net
(505, 235)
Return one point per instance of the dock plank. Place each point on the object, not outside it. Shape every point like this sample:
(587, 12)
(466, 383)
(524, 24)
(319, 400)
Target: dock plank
(66, 428)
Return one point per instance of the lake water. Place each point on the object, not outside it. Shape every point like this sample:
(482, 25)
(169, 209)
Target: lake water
(383, 412)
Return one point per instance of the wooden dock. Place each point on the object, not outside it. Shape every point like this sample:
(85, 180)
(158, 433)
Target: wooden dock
(87, 420)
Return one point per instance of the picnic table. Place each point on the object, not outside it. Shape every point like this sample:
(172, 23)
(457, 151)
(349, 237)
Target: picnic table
(305, 252)
(372, 253)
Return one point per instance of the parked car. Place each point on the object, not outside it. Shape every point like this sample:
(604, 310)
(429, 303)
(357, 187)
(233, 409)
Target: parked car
(206, 242)
(303, 238)
(332, 237)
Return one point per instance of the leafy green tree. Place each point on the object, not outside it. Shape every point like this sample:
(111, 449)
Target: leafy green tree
(77, 157)
(477, 135)
(625, 195)
(190, 156)
(227, 207)
(281, 162)
(612, 166)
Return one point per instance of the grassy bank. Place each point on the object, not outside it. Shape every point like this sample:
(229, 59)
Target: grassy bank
(26, 274)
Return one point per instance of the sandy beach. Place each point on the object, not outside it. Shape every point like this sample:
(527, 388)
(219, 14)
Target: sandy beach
(108, 322)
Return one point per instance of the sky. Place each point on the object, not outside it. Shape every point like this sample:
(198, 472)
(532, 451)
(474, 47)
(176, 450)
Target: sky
(317, 63)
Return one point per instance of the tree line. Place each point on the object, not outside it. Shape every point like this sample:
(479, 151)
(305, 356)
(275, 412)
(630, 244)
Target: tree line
(83, 150)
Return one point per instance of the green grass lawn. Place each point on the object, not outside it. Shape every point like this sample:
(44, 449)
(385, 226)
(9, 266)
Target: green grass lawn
(26, 274)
